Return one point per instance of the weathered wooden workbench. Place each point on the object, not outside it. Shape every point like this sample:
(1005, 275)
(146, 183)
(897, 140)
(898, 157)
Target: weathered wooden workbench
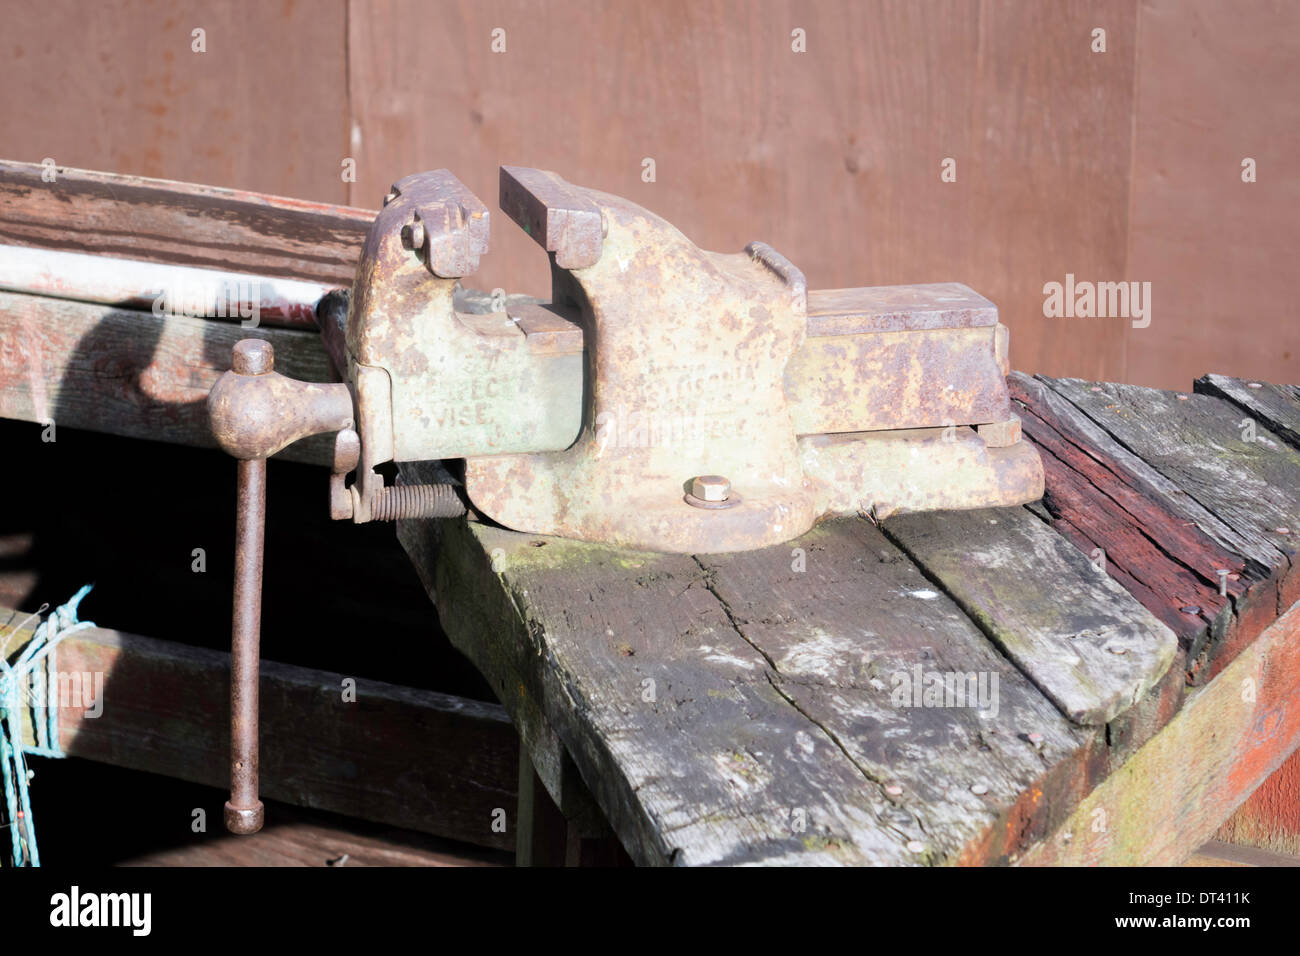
(737, 708)
(759, 707)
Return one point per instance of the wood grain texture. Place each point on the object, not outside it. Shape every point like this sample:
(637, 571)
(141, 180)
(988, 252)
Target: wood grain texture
(1202, 445)
(116, 85)
(134, 373)
(833, 156)
(1076, 633)
(180, 223)
(705, 763)
(1175, 792)
(1270, 817)
(405, 757)
(1160, 557)
(716, 706)
(857, 640)
(1276, 406)
(1215, 85)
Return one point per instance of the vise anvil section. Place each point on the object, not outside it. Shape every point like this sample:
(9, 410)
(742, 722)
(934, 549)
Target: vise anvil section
(657, 362)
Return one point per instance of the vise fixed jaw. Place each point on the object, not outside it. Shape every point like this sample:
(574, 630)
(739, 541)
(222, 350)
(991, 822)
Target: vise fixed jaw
(433, 383)
(657, 362)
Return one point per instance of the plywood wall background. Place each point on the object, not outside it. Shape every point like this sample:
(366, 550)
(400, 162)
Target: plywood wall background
(1123, 165)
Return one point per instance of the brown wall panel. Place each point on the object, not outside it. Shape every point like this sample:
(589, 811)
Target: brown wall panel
(1217, 83)
(114, 85)
(1122, 165)
(1051, 149)
(833, 155)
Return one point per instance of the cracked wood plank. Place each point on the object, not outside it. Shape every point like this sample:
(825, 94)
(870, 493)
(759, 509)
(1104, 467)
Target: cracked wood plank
(936, 720)
(1243, 493)
(668, 714)
(736, 760)
(1254, 593)
(1276, 406)
(1076, 633)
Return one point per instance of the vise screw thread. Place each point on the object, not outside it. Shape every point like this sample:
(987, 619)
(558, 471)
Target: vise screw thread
(416, 501)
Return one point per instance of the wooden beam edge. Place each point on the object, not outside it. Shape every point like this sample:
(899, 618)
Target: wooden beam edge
(397, 755)
(1171, 796)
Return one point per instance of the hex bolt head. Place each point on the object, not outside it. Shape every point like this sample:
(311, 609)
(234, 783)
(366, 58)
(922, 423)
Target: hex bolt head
(711, 488)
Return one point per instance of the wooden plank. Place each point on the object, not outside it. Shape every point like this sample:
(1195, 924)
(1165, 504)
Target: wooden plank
(134, 373)
(306, 838)
(1175, 792)
(551, 761)
(1160, 557)
(541, 833)
(1198, 443)
(410, 758)
(1079, 636)
(691, 753)
(739, 746)
(856, 638)
(1079, 428)
(1277, 407)
(180, 223)
(1100, 495)
(1215, 249)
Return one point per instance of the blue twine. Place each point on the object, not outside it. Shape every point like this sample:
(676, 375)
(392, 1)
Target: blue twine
(61, 623)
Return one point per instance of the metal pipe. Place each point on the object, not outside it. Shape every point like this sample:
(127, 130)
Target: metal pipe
(161, 288)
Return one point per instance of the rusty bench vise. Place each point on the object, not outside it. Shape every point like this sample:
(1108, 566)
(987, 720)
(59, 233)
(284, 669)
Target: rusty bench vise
(667, 398)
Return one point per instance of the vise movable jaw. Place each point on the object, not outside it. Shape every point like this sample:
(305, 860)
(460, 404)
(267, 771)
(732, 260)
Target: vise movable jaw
(657, 362)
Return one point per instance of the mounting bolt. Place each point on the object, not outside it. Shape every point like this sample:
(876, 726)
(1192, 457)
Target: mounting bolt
(711, 491)
(413, 235)
(711, 488)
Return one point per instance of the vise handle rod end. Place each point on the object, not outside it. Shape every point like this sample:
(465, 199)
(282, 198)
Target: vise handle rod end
(255, 412)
